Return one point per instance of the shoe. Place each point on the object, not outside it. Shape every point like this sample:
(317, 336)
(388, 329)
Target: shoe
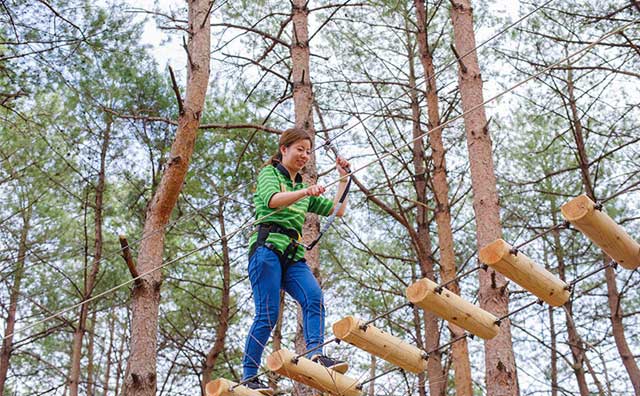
(259, 386)
(333, 364)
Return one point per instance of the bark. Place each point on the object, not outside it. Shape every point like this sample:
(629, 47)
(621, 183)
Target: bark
(575, 341)
(7, 341)
(90, 350)
(372, 373)
(553, 341)
(107, 370)
(500, 369)
(303, 109)
(141, 377)
(554, 353)
(119, 369)
(90, 280)
(459, 350)
(435, 372)
(223, 319)
(419, 341)
(613, 297)
(626, 355)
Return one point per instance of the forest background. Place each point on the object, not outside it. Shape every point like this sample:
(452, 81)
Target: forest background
(89, 115)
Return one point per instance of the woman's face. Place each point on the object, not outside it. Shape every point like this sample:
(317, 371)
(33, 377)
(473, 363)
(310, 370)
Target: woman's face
(295, 156)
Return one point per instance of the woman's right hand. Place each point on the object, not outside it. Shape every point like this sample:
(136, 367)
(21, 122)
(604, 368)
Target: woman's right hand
(314, 190)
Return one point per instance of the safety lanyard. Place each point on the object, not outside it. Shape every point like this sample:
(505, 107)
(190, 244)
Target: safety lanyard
(336, 209)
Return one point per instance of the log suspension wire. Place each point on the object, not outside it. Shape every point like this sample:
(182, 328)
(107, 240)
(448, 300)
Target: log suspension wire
(448, 344)
(559, 226)
(363, 383)
(442, 286)
(385, 314)
(611, 263)
(365, 166)
(522, 308)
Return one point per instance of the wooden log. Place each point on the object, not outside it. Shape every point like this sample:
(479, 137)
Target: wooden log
(525, 272)
(381, 344)
(312, 374)
(581, 212)
(222, 387)
(453, 308)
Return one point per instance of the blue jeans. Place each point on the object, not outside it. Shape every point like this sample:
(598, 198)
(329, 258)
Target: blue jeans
(265, 274)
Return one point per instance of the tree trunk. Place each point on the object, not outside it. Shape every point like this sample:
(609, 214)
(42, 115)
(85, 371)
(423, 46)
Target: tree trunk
(90, 353)
(7, 341)
(628, 359)
(140, 378)
(435, 373)
(372, 373)
(107, 370)
(575, 342)
(419, 341)
(613, 297)
(459, 350)
(89, 284)
(553, 338)
(119, 369)
(303, 109)
(500, 369)
(223, 319)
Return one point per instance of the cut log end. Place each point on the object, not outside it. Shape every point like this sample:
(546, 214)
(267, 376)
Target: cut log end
(343, 327)
(417, 291)
(218, 387)
(494, 252)
(577, 208)
(222, 387)
(275, 361)
(603, 231)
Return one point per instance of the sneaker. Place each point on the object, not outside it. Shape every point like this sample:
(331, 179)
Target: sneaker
(259, 386)
(333, 364)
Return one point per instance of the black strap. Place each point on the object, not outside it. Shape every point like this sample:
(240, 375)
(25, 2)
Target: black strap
(287, 257)
(264, 229)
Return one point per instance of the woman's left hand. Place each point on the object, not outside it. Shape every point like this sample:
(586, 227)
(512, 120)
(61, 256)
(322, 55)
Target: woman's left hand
(342, 165)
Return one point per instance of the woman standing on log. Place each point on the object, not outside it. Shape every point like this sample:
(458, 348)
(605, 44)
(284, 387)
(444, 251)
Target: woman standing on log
(276, 259)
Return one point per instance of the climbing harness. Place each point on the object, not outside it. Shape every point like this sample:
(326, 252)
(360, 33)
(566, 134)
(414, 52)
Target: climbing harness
(286, 257)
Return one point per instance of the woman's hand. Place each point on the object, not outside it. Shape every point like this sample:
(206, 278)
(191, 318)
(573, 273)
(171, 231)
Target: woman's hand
(314, 190)
(342, 165)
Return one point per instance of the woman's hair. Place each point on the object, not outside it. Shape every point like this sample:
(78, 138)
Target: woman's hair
(289, 137)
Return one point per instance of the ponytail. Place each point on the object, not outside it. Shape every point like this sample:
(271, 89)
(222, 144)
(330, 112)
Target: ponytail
(276, 158)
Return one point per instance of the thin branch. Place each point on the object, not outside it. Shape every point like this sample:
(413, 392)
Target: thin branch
(126, 255)
(176, 90)
(250, 29)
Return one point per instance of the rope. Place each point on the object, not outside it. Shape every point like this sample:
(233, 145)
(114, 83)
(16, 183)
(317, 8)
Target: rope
(379, 159)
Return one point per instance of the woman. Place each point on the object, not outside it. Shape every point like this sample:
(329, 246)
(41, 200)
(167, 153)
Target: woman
(276, 261)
